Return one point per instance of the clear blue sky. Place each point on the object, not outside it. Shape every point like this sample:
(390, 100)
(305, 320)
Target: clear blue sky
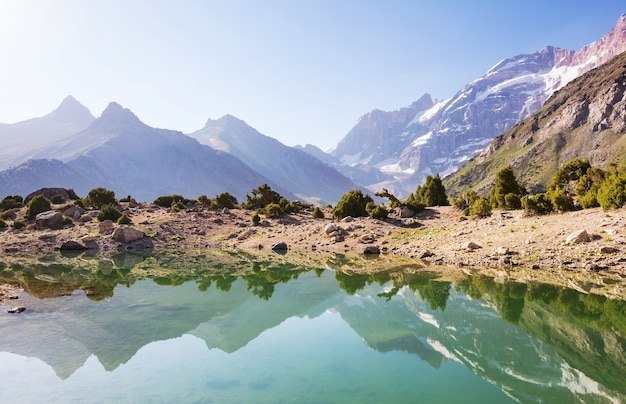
(302, 71)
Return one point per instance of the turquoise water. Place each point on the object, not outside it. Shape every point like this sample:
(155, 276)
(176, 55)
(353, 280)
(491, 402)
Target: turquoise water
(321, 336)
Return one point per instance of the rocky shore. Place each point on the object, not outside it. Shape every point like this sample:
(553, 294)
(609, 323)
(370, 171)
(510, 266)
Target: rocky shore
(586, 244)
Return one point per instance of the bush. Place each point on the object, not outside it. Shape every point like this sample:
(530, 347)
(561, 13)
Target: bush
(167, 200)
(560, 199)
(256, 219)
(108, 212)
(379, 212)
(8, 214)
(124, 219)
(18, 225)
(480, 208)
(57, 199)
(589, 199)
(273, 210)
(204, 201)
(98, 197)
(37, 205)
(224, 200)
(352, 204)
(66, 221)
(11, 202)
(506, 187)
(262, 196)
(177, 206)
(317, 213)
(73, 195)
(3, 224)
(612, 192)
(432, 193)
(538, 204)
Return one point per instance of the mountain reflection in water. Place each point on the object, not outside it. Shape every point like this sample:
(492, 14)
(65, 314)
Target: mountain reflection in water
(533, 341)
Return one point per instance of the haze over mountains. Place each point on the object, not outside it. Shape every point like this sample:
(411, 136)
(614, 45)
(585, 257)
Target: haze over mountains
(396, 150)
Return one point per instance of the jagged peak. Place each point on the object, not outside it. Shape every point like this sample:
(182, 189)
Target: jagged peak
(70, 108)
(117, 112)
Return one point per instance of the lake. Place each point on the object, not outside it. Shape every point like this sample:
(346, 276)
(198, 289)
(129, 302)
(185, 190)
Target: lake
(225, 328)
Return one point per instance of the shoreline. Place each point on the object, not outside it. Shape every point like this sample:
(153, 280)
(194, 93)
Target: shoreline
(507, 245)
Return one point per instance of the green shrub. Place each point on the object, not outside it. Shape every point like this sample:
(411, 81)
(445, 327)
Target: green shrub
(589, 199)
(561, 201)
(224, 200)
(11, 202)
(37, 205)
(73, 195)
(273, 210)
(379, 212)
(108, 212)
(98, 197)
(432, 193)
(262, 196)
(124, 219)
(177, 206)
(317, 213)
(612, 192)
(352, 204)
(3, 224)
(8, 214)
(18, 225)
(256, 219)
(506, 187)
(204, 201)
(480, 208)
(57, 199)
(538, 204)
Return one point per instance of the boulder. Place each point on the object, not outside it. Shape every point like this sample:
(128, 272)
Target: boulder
(577, 237)
(49, 193)
(347, 219)
(470, 246)
(426, 254)
(125, 234)
(371, 249)
(51, 219)
(331, 228)
(106, 227)
(72, 245)
(280, 246)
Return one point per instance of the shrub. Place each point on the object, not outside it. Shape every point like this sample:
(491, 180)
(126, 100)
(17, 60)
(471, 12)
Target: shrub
(589, 199)
(480, 208)
(18, 225)
(165, 201)
(73, 195)
(57, 199)
(273, 210)
(432, 193)
(317, 213)
(612, 192)
(124, 219)
(66, 221)
(99, 197)
(3, 224)
(11, 202)
(465, 200)
(262, 196)
(538, 204)
(352, 204)
(8, 214)
(379, 212)
(256, 219)
(108, 212)
(506, 186)
(37, 205)
(224, 200)
(560, 199)
(204, 201)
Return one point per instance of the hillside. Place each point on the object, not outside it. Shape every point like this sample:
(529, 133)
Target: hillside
(584, 120)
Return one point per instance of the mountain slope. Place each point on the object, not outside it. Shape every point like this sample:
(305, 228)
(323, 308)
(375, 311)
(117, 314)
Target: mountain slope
(119, 152)
(441, 139)
(291, 168)
(25, 140)
(584, 120)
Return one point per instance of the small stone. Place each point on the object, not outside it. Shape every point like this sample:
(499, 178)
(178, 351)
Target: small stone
(608, 250)
(347, 219)
(502, 250)
(15, 310)
(470, 245)
(426, 254)
(331, 228)
(280, 246)
(577, 237)
(371, 249)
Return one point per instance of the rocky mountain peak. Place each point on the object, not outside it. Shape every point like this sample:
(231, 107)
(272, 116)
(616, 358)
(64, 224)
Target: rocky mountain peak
(115, 116)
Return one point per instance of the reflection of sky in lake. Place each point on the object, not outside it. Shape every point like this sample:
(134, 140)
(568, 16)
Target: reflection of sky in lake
(310, 342)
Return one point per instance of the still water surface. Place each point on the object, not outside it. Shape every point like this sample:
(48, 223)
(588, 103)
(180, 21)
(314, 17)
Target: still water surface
(297, 335)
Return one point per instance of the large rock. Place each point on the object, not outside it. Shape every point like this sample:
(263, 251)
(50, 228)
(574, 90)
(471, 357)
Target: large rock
(280, 246)
(72, 245)
(125, 235)
(51, 219)
(106, 226)
(577, 237)
(49, 193)
(332, 228)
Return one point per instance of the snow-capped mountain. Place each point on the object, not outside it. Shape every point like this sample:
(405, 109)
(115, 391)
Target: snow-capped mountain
(424, 139)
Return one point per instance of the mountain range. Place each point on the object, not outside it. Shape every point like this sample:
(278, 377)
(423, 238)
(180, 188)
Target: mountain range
(431, 136)
(395, 150)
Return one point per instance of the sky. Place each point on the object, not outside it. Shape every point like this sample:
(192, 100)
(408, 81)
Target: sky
(301, 71)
